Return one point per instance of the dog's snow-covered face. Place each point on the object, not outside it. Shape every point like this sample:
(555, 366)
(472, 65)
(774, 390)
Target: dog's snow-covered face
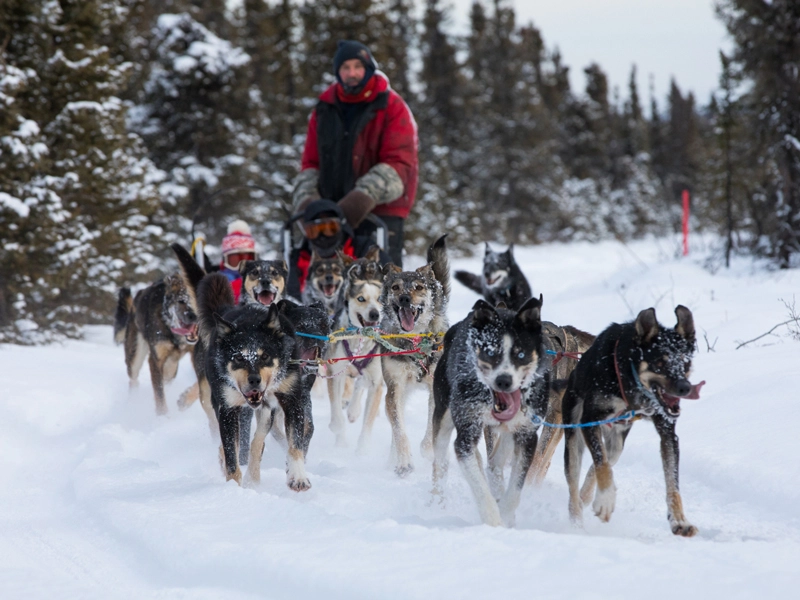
(178, 312)
(263, 281)
(507, 347)
(666, 359)
(253, 351)
(409, 298)
(497, 267)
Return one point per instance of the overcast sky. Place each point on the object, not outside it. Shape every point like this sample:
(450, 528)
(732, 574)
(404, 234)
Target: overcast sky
(665, 38)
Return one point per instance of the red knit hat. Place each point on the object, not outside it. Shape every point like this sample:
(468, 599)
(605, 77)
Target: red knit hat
(239, 239)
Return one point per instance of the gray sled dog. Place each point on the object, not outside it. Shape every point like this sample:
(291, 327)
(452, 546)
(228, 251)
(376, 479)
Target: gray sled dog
(639, 366)
(413, 302)
(362, 308)
(159, 324)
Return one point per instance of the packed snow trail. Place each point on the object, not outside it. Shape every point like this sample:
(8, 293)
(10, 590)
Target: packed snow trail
(99, 498)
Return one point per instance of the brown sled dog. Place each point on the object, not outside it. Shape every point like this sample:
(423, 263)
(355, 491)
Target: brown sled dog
(569, 341)
(160, 324)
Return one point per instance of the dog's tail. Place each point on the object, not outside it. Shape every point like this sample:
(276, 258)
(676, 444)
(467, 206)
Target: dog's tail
(214, 296)
(123, 314)
(470, 280)
(191, 272)
(437, 259)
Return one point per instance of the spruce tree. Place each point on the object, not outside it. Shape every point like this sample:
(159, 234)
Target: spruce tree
(766, 38)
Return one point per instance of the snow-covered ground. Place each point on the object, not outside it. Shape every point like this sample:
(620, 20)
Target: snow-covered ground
(99, 498)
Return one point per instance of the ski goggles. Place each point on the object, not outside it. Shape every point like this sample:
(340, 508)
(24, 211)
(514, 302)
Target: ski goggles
(329, 226)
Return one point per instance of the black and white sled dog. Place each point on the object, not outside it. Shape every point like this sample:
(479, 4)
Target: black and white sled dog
(263, 281)
(640, 366)
(247, 353)
(362, 308)
(492, 378)
(413, 302)
(294, 395)
(501, 281)
(159, 324)
(325, 283)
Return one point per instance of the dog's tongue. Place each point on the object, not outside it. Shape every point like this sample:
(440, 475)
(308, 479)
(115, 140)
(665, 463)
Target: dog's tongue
(266, 298)
(188, 331)
(407, 318)
(328, 290)
(509, 402)
(695, 393)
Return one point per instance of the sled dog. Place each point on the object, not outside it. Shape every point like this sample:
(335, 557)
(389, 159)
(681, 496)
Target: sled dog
(362, 308)
(492, 378)
(263, 281)
(325, 283)
(159, 324)
(556, 339)
(501, 281)
(413, 302)
(294, 394)
(247, 353)
(641, 366)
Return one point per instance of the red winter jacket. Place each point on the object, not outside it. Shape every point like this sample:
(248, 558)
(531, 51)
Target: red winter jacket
(389, 136)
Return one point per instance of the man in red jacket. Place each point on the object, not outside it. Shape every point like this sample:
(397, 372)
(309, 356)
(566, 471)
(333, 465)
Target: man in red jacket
(361, 148)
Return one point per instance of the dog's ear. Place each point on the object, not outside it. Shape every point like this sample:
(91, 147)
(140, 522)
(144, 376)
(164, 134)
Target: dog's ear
(390, 268)
(355, 271)
(223, 327)
(346, 260)
(486, 251)
(426, 270)
(242, 267)
(501, 304)
(483, 313)
(315, 256)
(510, 250)
(647, 325)
(373, 254)
(685, 325)
(530, 313)
(283, 268)
(272, 322)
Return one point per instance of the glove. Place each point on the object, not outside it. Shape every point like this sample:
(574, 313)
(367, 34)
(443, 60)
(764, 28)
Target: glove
(356, 205)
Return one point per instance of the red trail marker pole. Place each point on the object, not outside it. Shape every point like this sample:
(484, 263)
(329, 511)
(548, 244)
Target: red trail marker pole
(685, 222)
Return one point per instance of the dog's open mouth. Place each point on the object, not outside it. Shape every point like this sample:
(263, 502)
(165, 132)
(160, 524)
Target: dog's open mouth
(254, 397)
(408, 317)
(310, 356)
(365, 323)
(506, 404)
(266, 297)
(672, 404)
(329, 289)
(187, 331)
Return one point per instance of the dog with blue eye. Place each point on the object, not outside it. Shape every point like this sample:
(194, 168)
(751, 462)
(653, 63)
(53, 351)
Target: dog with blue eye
(492, 378)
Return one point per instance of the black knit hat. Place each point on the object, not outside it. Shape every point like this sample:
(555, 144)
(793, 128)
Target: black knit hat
(347, 50)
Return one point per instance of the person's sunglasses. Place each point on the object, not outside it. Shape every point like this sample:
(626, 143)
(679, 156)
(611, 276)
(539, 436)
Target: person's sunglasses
(233, 260)
(329, 227)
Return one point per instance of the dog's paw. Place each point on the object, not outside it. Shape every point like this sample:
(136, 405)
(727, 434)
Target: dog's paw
(354, 410)
(604, 502)
(403, 470)
(299, 484)
(426, 449)
(683, 528)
